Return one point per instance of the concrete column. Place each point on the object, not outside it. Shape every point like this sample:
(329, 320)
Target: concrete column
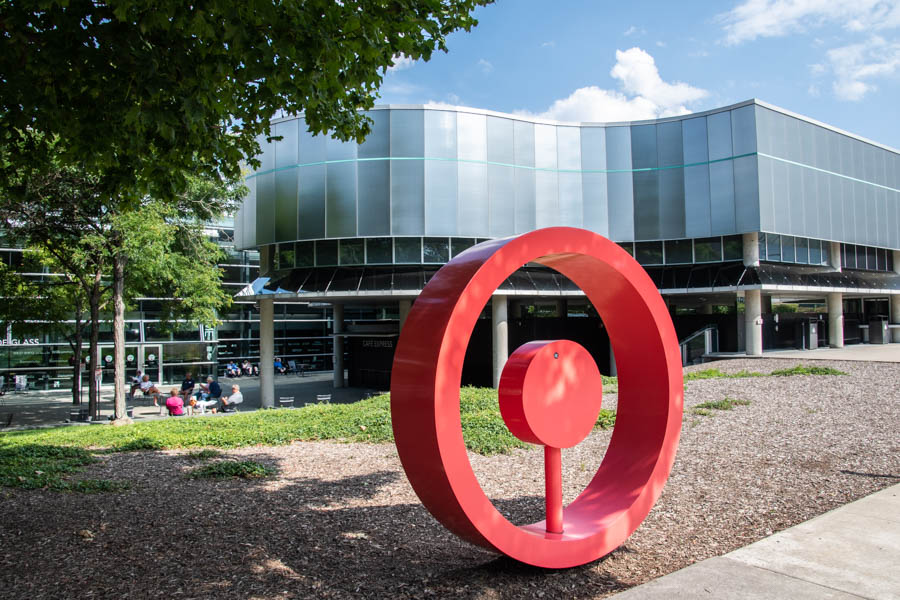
(897, 262)
(500, 335)
(753, 322)
(562, 308)
(751, 249)
(613, 371)
(834, 256)
(338, 359)
(405, 305)
(767, 304)
(895, 316)
(834, 302)
(267, 352)
(706, 309)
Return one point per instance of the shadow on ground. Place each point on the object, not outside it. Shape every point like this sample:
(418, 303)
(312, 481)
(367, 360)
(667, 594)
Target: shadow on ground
(294, 538)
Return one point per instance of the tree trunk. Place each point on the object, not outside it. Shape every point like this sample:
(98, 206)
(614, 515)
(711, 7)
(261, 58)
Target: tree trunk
(119, 333)
(93, 390)
(77, 339)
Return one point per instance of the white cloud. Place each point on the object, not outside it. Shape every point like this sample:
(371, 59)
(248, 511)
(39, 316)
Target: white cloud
(550, 44)
(401, 63)
(774, 18)
(644, 94)
(855, 65)
(633, 30)
(660, 44)
(485, 66)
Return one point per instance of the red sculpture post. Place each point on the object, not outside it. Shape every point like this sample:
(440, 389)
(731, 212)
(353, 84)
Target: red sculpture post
(550, 394)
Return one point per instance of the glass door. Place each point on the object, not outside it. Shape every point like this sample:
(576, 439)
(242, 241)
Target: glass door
(150, 358)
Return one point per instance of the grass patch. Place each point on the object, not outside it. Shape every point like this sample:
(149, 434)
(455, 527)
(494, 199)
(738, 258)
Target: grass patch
(364, 421)
(724, 404)
(39, 466)
(230, 469)
(798, 370)
(205, 454)
(806, 370)
(705, 409)
(717, 374)
(610, 384)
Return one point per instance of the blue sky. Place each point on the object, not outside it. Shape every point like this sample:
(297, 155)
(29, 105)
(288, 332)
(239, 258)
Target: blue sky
(837, 61)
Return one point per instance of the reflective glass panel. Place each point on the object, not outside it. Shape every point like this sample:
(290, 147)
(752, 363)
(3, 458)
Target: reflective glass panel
(285, 256)
(743, 130)
(694, 134)
(408, 250)
(569, 144)
(341, 199)
(545, 146)
(773, 247)
(643, 146)
(305, 254)
(788, 253)
(352, 252)
(457, 245)
(440, 134)
(678, 252)
(762, 246)
(378, 142)
(708, 250)
(719, 134)
(649, 253)
(628, 247)
(435, 250)
(801, 250)
(374, 197)
(500, 141)
(326, 253)
(733, 247)
(378, 251)
(471, 136)
(815, 252)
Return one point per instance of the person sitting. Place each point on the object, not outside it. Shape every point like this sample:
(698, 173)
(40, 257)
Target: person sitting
(148, 389)
(187, 386)
(229, 403)
(279, 368)
(232, 370)
(175, 404)
(246, 368)
(209, 394)
(255, 370)
(135, 383)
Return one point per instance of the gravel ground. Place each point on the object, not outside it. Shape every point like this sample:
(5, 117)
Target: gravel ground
(340, 520)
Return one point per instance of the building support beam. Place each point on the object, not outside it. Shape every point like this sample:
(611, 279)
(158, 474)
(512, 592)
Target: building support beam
(500, 335)
(895, 316)
(834, 256)
(338, 357)
(267, 352)
(751, 249)
(834, 302)
(405, 306)
(753, 321)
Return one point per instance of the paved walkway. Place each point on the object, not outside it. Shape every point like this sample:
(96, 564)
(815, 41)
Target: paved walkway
(863, 352)
(849, 553)
(40, 408)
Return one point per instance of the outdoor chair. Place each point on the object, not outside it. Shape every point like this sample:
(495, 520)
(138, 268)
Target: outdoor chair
(286, 402)
(291, 367)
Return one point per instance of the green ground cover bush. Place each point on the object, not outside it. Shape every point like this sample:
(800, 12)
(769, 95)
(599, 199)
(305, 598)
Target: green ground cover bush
(364, 421)
(34, 466)
(798, 370)
(228, 469)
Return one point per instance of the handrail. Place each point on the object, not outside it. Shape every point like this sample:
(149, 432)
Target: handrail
(710, 334)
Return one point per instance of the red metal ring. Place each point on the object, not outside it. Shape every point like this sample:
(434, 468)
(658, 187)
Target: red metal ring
(425, 396)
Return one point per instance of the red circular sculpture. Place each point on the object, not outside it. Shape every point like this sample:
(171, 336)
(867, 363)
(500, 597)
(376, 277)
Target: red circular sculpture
(425, 398)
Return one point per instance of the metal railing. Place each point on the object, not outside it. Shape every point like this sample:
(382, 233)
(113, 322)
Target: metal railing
(703, 341)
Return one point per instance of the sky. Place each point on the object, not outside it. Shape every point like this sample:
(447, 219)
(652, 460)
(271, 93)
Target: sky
(836, 61)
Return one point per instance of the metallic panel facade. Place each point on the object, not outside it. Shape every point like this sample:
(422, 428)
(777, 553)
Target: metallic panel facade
(456, 172)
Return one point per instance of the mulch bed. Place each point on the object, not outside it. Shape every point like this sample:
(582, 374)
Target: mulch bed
(340, 520)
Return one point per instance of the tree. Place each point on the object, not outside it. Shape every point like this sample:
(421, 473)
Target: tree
(149, 91)
(161, 244)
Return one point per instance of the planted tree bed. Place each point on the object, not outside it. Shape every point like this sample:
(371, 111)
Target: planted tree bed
(325, 519)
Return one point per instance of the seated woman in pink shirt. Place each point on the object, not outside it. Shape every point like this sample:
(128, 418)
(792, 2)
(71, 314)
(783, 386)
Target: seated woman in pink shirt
(174, 403)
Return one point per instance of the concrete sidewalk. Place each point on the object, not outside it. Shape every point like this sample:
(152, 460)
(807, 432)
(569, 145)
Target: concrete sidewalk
(40, 409)
(849, 553)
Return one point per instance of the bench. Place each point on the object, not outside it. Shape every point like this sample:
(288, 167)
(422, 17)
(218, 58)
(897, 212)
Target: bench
(286, 402)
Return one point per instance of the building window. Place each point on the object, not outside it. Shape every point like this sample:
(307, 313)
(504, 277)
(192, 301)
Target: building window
(706, 250)
(352, 252)
(679, 252)
(649, 253)
(787, 249)
(326, 253)
(773, 247)
(733, 247)
(627, 247)
(285, 256)
(436, 250)
(458, 245)
(304, 254)
(408, 250)
(378, 251)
